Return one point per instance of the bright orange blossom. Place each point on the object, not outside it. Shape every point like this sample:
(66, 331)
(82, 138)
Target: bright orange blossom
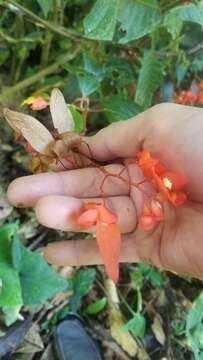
(169, 185)
(107, 234)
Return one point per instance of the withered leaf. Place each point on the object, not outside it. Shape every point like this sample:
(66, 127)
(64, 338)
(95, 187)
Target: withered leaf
(31, 129)
(61, 115)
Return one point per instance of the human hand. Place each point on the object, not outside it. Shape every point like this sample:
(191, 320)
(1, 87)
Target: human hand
(173, 134)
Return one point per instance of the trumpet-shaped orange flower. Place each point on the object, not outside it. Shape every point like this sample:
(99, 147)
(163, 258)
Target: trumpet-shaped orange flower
(107, 234)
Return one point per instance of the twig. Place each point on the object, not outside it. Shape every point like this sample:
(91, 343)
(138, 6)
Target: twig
(195, 48)
(41, 74)
(12, 40)
(37, 241)
(175, 53)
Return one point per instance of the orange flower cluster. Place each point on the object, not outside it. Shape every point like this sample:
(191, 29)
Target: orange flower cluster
(168, 184)
(189, 97)
(107, 234)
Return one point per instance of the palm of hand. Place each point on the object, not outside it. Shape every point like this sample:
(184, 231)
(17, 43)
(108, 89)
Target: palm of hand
(171, 133)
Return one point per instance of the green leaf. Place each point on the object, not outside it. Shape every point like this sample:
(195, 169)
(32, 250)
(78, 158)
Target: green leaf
(173, 23)
(136, 325)
(100, 23)
(93, 67)
(117, 108)
(11, 314)
(149, 79)
(88, 84)
(137, 279)
(10, 290)
(89, 75)
(4, 54)
(96, 307)
(119, 72)
(77, 117)
(197, 63)
(138, 18)
(46, 6)
(191, 13)
(150, 273)
(181, 71)
(194, 327)
(39, 281)
(82, 283)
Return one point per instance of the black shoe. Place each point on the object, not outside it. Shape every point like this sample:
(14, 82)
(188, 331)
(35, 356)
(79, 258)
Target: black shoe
(73, 343)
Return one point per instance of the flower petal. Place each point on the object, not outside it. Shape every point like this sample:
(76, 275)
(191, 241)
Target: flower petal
(109, 242)
(88, 218)
(147, 222)
(105, 215)
(178, 181)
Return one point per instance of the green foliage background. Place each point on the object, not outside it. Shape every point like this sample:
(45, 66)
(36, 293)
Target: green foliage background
(124, 55)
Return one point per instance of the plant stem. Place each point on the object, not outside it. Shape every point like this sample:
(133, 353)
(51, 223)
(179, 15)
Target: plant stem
(123, 300)
(52, 27)
(37, 77)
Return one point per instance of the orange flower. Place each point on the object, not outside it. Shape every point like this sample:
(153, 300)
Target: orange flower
(151, 215)
(186, 97)
(36, 102)
(107, 234)
(39, 103)
(169, 185)
(200, 97)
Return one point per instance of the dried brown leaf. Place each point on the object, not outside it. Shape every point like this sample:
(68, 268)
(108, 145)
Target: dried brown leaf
(31, 129)
(121, 336)
(61, 115)
(157, 329)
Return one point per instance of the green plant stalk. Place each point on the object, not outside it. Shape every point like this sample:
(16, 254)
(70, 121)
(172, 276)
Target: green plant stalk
(57, 29)
(131, 311)
(46, 48)
(53, 17)
(139, 301)
(37, 77)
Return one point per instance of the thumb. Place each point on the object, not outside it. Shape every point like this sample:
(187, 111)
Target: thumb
(121, 139)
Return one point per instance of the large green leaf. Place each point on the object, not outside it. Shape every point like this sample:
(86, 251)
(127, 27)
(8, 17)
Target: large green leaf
(100, 23)
(117, 108)
(191, 12)
(138, 18)
(194, 327)
(46, 6)
(150, 77)
(10, 290)
(39, 281)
